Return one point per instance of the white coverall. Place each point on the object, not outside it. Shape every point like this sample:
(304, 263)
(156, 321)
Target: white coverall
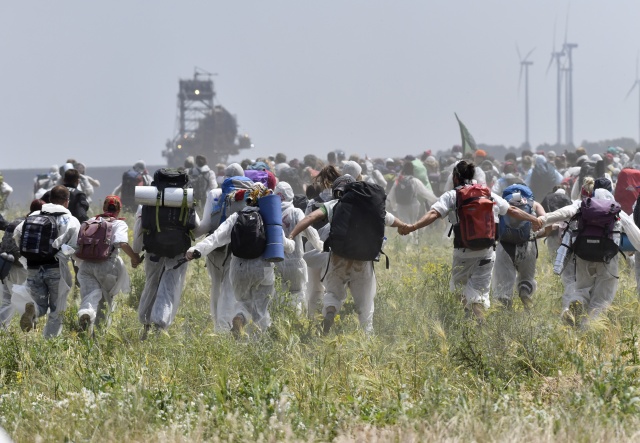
(595, 283)
(163, 287)
(293, 269)
(252, 280)
(358, 275)
(410, 212)
(470, 270)
(100, 282)
(52, 287)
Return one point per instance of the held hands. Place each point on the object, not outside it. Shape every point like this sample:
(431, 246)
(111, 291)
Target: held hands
(537, 224)
(135, 261)
(406, 229)
(192, 253)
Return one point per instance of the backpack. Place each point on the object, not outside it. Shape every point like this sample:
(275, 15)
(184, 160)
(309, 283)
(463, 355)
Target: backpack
(167, 230)
(405, 192)
(596, 220)
(626, 192)
(476, 227)
(38, 233)
(130, 180)
(200, 184)
(357, 226)
(75, 206)
(94, 239)
(554, 201)
(543, 179)
(248, 236)
(231, 200)
(510, 230)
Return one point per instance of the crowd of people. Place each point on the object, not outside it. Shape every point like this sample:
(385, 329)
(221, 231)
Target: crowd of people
(331, 227)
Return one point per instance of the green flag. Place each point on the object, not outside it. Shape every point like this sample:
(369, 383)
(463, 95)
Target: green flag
(468, 143)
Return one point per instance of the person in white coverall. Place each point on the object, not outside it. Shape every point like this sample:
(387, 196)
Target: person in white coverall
(516, 264)
(222, 304)
(595, 283)
(101, 281)
(252, 280)
(357, 275)
(410, 211)
(49, 281)
(293, 269)
(163, 286)
(471, 269)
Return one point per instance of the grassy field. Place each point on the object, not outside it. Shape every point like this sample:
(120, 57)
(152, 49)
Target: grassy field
(428, 374)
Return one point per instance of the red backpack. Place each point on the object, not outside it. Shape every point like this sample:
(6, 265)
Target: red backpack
(94, 239)
(476, 227)
(626, 192)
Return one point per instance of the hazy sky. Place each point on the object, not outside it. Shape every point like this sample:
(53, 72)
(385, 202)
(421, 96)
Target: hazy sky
(97, 81)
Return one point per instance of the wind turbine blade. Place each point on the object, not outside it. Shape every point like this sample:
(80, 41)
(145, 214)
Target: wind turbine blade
(518, 51)
(631, 90)
(555, 23)
(550, 62)
(637, 59)
(566, 25)
(527, 56)
(520, 77)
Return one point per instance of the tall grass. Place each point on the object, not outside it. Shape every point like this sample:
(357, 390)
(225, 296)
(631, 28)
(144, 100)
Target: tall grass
(428, 373)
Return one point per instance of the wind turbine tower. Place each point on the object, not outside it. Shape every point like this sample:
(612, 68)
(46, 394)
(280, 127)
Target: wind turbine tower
(524, 66)
(557, 55)
(567, 48)
(636, 83)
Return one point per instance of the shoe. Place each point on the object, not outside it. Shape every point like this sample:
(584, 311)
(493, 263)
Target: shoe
(478, 312)
(84, 322)
(527, 302)
(145, 332)
(329, 318)
(28, 319)
(237, 325)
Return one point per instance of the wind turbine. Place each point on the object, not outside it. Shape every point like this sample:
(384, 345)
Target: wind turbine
(524, 66)
(557, 55)
(567, 48)
(636, 83)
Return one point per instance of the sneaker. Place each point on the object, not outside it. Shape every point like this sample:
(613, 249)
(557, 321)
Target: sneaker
(527, 302)
(237, 325)
(85, 322)
(145, 332)
(328, 320)
(28, 319)
(478, 312)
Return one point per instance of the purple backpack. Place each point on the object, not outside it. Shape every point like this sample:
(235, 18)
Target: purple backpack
(596, 220)
(257, 176)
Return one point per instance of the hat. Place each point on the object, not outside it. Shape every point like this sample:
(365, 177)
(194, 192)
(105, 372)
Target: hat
(551, 154)
(596, 157)
(603, 183)
(340, 183)
(389, 160)
(352, 168)
(233, 170)
(431, 161)
(481, 153)
(458, 155)
(284, 191)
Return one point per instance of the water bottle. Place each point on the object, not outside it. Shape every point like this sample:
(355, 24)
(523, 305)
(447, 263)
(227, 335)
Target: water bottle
(562, 255)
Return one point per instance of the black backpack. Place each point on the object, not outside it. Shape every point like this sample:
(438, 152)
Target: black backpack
(38, 233)
(248, 237)
(167, 230)
(357, 226)
(75, 204)
(554, 201)
(130, 180)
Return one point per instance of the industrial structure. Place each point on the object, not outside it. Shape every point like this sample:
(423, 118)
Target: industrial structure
(203, 128)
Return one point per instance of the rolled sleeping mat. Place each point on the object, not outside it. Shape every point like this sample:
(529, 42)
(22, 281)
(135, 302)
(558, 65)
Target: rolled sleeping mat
(274, 251)
(171, 197)
(271, 209)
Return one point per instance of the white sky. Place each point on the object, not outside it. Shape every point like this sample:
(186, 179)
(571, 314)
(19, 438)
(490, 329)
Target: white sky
(97, 81)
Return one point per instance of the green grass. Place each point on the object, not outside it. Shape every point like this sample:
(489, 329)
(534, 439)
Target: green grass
(428, 374)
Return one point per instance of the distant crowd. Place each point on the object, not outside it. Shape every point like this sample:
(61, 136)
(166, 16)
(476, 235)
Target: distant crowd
(320, 224)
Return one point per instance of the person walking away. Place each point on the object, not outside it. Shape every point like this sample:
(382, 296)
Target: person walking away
(517, 250)
(5, 192)
(136, 176)
(78, 204)
(472, 210)
(251, 277)
(46, 239)
(203, 180)
(165, 234)
(102, 273)
(357, 217)
(293, 269)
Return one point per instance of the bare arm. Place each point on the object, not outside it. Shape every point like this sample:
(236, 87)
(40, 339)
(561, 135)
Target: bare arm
(310, 219)
(426, 220)
(135, 258)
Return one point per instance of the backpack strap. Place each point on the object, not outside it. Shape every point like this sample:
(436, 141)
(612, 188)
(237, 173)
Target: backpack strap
(158, 197)
(184, 208)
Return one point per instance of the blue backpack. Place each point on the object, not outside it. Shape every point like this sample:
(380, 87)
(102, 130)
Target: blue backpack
(510, 230)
